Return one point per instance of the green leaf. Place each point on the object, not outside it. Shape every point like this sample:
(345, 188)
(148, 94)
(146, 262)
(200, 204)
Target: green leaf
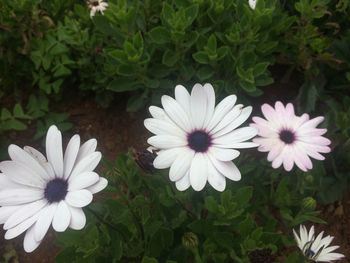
(5, 114)
(205, 72)
(159, 35)
(169, 58)
(149, 260)
(121, 85)
(201, 57)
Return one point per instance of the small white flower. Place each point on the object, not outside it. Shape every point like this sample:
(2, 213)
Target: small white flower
(36, 192)
(97, 6)
(252, 4)
(316, 248)
(289, 138)
(197, 140)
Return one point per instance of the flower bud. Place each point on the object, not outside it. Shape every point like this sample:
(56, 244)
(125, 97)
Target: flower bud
(309, 203)
(190, 240)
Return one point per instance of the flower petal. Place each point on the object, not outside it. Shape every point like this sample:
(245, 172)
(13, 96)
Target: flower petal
(176, 112)
(20, 228)
(27, 160)
(215, 178)
(228, 169)
(210, 102)
(198, 106)
(223, 154)
(24, 213)
(199, 171)
(221, 110)
(54, 151)
(99, 186)
(29, 243)
(184, 183)
(71, 154)
(78, 219)
(79, 198)
(87, 164)
(166, 141)
(45, 218)
(181, 165)
(183, 97)
(20, 196)
(62, 217)
(82, 180)
(86, 149)
(161, 127)
(166, 157)
(21, 174)
(239, 135)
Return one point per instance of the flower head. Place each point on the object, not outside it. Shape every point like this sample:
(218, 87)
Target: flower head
(96, 6)
(289, 138)
(36, 191)
(316, 248)
(197, 140)
(252, 3)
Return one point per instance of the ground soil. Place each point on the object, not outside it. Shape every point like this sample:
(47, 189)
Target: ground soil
(117, 131)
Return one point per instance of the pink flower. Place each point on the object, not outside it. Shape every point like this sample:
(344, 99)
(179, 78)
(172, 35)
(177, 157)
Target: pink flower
(289, 138)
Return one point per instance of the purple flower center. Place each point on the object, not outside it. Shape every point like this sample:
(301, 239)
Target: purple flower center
(56, 190)
(199, 141)
(287, 136)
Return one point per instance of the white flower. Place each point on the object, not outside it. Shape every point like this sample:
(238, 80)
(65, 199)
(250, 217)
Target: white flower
(36, 192)
(289, 138)
(97, 6)
(316, 248)
(252, 4)
(197, 140)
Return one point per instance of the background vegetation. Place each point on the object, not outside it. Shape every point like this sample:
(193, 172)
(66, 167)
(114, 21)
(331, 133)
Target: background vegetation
(141, 50)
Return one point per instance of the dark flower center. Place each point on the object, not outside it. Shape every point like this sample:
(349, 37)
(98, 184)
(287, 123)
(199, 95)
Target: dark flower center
(199, 141)
(287, 136)
(95, 3)
(56, 190)
(309, 253)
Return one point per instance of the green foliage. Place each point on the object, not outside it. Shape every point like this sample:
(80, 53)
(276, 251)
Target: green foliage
(143, 218)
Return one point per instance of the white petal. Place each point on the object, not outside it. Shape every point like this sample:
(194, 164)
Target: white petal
(20, 228)
(244, 145)
(29, 243)
(35, 154)
(6, 183)
(199, 171)
(160, 127)
(7, 211)
(19, 196)
(183, 97)
(176, 112)
(223, 154)
(159, 113)
(244, 115)
(54, 151)
(62, 217)
(86, 149)
(21, 156)
(87, 164)
(184, 183)
(82, 180)
(239, 135)
(221, 110)
(71, 154)
(228, 169)
(166, 141)
(99, 186)
(24, 213)
(228, 119)
(215, 178)
(166, 157)
(21, 174)
(198, 106)
(181, 165)
(79, 198)
(78, 219)
(210, 103)
(45, 218)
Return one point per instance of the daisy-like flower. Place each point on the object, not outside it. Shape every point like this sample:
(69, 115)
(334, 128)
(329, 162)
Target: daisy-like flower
(96, 6)
(197, 140)
(289, 138)
(315, 248)
(252, 4)
(36, 192)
